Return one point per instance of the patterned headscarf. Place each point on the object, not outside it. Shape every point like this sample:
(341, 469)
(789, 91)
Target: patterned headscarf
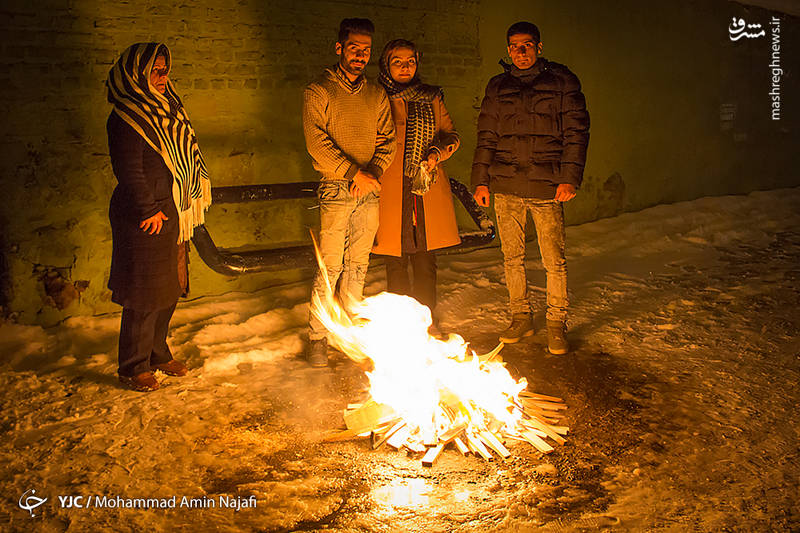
(421, 122)
(163, 123)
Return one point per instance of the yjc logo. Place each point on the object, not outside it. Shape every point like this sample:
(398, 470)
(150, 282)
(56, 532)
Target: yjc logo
(29, 501)
(71, 501)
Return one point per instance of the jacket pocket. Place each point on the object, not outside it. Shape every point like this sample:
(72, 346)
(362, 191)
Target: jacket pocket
(502, 170)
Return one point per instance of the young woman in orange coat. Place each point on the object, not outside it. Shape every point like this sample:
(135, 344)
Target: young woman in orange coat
(416, 205)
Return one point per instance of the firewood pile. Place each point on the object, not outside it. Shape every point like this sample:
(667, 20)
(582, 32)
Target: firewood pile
(468, 428)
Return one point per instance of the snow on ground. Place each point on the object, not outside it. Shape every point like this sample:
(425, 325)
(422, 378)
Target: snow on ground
(681, 391)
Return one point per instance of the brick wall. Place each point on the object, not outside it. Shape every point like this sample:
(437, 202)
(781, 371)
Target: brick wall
(240, 67)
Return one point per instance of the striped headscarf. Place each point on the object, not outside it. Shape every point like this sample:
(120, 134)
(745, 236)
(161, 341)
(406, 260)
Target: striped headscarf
(163, 123)
(420, 123)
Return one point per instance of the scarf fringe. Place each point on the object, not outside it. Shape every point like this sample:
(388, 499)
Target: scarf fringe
(196, 213)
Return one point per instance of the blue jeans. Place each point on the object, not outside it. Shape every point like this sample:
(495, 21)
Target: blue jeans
(347, 231)
(548, 218)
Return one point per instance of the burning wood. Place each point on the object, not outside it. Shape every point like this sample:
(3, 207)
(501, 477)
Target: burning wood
(487, 438)
(426, 393)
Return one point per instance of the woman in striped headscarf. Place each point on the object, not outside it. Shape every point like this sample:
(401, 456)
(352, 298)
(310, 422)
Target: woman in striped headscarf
(161, 196)
(416, 204)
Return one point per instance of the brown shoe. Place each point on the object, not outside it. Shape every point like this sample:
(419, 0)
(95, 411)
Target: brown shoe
(521, 326)
(144, 382)
(172, 368)
(556, 337)
(318, 353)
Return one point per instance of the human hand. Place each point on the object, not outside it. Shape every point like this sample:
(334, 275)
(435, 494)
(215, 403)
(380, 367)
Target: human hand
(154, 223)
(431, 162)
(482, 195)
(363, 184)
(565, 192)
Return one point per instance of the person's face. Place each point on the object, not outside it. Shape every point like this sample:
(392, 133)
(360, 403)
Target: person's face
(523, 50)
(402, 65)
(158, 76)
(354, 53)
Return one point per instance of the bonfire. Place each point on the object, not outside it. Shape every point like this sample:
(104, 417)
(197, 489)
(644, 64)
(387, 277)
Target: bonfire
(426, 393)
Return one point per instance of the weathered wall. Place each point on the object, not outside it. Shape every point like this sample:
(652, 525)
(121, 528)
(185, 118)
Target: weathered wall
(240, 67)
(655, 78)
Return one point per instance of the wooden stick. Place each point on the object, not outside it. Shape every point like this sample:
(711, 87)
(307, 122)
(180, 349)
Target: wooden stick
(452, 433)
(547, 405)
(368, 416)
(538, 443)
(431, 455)
(494, 443)
(535, 431)
(543, 397)
(477, 445)
(540, 425)
(461, 446)
(528, 405)
(386, 436)
(485, 358)
(530, 413)
(397, 440)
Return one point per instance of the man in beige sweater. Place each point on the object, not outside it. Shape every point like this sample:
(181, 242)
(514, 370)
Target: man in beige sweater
(350, 136)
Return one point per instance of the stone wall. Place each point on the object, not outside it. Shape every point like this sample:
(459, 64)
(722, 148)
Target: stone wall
(678, 111)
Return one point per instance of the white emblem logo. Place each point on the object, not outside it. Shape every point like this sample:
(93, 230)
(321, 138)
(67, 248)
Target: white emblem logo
(29, 503)
(737, 28)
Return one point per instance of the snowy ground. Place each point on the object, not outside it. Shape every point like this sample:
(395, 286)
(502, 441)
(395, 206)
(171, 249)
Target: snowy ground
(682, 391)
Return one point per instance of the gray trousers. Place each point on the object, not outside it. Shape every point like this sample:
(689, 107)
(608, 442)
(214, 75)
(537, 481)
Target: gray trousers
(347, 232)
(548, 219)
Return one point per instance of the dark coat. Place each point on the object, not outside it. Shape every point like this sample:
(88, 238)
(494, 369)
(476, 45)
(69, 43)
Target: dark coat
(144, 268)
(533, 131)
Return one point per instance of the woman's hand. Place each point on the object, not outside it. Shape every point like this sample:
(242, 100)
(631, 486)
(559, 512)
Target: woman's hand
(154, 223)
(431, 162)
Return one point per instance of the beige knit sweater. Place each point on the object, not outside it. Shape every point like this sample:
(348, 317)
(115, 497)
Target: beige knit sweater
(347, 126)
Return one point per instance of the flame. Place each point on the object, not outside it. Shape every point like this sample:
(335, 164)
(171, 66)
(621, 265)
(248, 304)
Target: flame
(433, 385)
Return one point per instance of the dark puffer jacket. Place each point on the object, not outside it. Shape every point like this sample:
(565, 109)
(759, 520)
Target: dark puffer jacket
(533, 131)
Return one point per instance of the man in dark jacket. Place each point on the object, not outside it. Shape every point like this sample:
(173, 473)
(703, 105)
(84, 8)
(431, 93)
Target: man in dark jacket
(533, 131)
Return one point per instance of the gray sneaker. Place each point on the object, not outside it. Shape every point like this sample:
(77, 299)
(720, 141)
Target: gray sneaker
(318, 353)
(556, 337)
(521, 326)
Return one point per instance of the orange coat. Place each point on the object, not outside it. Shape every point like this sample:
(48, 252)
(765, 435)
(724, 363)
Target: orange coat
(441, 228)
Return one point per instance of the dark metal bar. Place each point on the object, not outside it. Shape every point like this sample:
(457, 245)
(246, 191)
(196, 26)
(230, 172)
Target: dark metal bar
(471, 239)
(255, 193)
(232, 263)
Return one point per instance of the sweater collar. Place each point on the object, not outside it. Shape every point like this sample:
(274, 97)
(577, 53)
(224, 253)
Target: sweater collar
(336, 73)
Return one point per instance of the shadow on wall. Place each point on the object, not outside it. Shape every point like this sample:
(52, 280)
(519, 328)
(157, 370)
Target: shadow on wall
(611, 197)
